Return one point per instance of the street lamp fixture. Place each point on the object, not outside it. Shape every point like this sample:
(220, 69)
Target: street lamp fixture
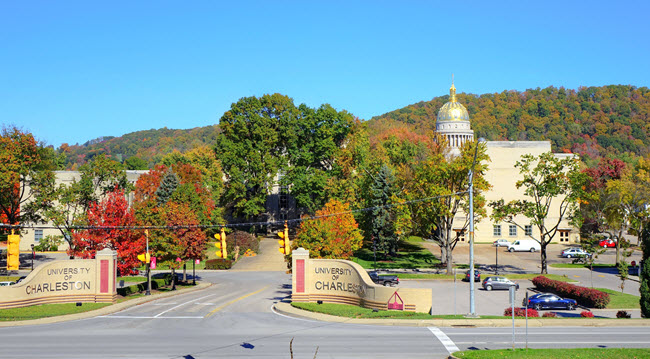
(472, 309)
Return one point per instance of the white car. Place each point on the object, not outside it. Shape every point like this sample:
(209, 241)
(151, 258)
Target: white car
(2, 284)
(501, 243)
(574, 252)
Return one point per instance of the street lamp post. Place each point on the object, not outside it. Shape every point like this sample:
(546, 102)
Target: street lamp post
(496, 268)
(472, 310)
(148, 264)
(33, 255)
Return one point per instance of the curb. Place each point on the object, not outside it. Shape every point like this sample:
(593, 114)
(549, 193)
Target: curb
(105, 310)
(287, 309)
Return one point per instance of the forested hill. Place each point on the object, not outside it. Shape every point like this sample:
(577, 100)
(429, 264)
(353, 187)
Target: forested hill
(592, 121)
(149, 145)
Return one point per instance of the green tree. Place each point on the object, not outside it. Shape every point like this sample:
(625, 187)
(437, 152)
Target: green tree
(644, 276)
(546, 180)
(167, 187)
(136, 163)
(250, 149)
(382, 219)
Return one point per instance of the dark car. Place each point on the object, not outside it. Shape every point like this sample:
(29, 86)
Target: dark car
(549, 301)
(477, 276)
(384, 280)
(495, 282)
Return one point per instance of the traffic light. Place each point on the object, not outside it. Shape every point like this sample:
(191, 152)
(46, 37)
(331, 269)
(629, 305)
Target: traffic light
(285, 245)
(221, 244)
(13, 252)
(144, 257)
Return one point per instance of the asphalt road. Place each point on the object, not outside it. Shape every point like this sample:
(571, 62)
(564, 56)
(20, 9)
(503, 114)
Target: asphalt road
(235, 318)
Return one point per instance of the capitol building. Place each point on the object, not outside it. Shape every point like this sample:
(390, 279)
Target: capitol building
(453, 123)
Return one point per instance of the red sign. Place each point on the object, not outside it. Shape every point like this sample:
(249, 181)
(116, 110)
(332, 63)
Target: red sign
(153, 263)
(395, 304)
(178, 259)
(197, 261)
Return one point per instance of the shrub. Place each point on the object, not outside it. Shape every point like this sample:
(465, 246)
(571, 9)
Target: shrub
(49, 244)
(549, 315)
(141, 287)
(521, 312)
(586, 314)
(244, 240)
(585, 296)
(623, 314)
(218, 264)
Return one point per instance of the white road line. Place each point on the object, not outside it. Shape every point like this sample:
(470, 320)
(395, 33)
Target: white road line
(139, 317)
(182, 304)
(161, 304)
(444, 339)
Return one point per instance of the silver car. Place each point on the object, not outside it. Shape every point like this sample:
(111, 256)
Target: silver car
(496, 282)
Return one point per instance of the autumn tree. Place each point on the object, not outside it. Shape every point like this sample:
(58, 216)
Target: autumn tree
(109, 225)
(550, 183)
(25, 177)
(67, 205)
(443, 181)
(332, 233)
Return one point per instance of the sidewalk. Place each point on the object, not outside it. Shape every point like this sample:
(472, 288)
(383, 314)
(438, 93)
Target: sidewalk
(285, 308)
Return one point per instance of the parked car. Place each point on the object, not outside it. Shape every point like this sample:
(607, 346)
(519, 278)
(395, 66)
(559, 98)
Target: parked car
(525, 245)
(574, 252)
(501, 243)
(549, 301)
(383, 279)
(477, 276)
(495, 282)
(2, 284)
(607, 243)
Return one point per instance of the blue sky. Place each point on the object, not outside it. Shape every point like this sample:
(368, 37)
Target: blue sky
(74, 71)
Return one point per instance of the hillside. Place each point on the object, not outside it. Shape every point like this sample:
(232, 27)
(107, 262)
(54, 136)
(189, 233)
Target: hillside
(592, 121)
(149, 145)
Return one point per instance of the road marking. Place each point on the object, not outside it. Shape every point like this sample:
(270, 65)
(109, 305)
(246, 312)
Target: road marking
(577, 276)
(140, 317)
(161, 304)
(182, 304)
(444, 339)
(600, 275)
(233, 301)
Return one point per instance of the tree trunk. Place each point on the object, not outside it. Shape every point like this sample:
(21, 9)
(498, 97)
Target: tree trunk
(449, 259)
(173, 279)
(184, 272)
(543, 257)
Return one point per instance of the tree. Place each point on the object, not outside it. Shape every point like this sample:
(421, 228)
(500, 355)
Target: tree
(382, 218)
(167, 187)
(250, 149)
(445, 182)
(110, 223)
(644, 276)
(25, 177)
(136, 163)
(66, 205)
(547, 180)
(333, 233)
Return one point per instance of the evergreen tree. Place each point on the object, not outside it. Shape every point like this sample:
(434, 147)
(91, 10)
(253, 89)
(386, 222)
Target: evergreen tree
(644, 289)
(167, 187)
(382, 222)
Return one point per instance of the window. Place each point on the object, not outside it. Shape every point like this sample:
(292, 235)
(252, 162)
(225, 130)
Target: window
(528, 229)
(564, 236)
(38, 235)
(512, 230)
(460, 234)
(496, 230)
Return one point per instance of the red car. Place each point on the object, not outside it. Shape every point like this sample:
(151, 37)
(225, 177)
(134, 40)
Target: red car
(607, 243)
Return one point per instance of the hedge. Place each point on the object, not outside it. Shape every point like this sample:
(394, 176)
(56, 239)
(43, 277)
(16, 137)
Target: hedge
(141, 287)
(218, 264)
(521, 312)
(588, 297)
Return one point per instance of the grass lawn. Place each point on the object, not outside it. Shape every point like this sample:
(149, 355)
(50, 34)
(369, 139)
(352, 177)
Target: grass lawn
(352, 311)
(47, 310)
(588, 353)
(620, 300)
(411, 254)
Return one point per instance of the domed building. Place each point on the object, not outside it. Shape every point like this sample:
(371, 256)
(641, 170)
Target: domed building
(453, 123)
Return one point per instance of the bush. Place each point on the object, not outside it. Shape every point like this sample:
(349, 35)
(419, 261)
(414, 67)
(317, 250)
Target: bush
(244, 240)
(218, 264)
(586, 314)
(588, 297)
(521, 312)
(623, 314)
(49, 244)
(549, 315)
(141, 287)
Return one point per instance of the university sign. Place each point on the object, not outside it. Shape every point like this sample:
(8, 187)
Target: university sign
(66, 281)
(346, 282)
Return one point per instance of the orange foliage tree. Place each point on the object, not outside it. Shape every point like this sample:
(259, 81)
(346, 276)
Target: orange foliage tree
(333, 233)
(110, 223)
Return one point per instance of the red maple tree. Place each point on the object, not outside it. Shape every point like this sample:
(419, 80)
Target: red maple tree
(111, 224)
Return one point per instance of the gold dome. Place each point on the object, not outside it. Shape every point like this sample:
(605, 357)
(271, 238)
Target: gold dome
(453, 110)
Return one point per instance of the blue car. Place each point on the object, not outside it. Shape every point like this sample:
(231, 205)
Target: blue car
(549, 301)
